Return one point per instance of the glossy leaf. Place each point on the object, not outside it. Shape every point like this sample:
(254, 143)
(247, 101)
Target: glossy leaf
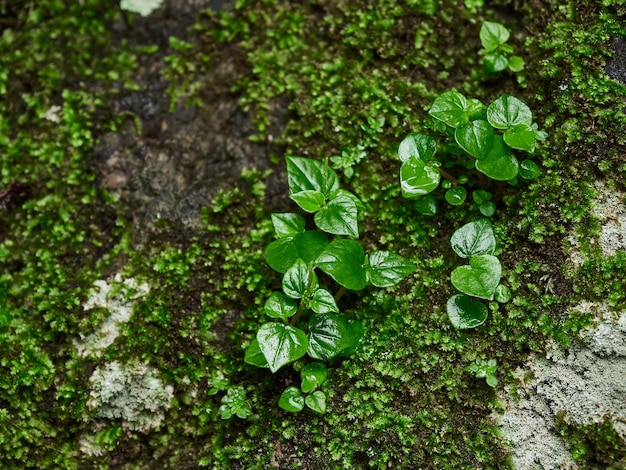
(474, 238)
(480, 278)
(342, 192)
(456, 196)
(291, 400)
(450, 108)
(417, 178)
(503, 294)
(507, 111)
(387, 269)
(309, 201)
(475, 137)
(313, 375)
(316, 401)
(305, 174)
(309, 245)
(288, 224)
(465, 312)
(329, 335)
(417, 145)
(500, 164)
(254, 355)
(323, 301)
(521, 137)
(426, 205)
(357, 332)
(297, 278)
(281, 254)
(281, 344)
(279, 305)
(343, 260)
(235, 403)
(339, 217)
(492, 35)
(495, 62)
(529, 170)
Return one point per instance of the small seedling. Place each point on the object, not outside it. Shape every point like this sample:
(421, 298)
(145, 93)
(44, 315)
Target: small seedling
(493, 37)
(235, 403)
(484, 369)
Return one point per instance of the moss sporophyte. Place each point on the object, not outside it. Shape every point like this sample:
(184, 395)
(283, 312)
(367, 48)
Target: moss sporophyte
(305, 315)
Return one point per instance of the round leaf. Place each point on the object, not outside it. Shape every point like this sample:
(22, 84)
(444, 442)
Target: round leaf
(520, 136)
(279, 305)
(255, 356)
(465, 312)
(281, 344)
(309, 201)
(495, 62)
(343, 261)
(281, 254)
(507, 111)
(488, 209)
(418, 179)
(516, 64)
(456, 196)
(426, 205)
(387, 269)
(296, 279)
(450, 108)
(339, 217)
(288, 224)
(503, 294)
(291, 400)
(417, 145)
(529, 170)
(474, 238)
(492, 35)
(313, 375)
(317, 402)
(328, 336)
(475, 137)
(310, 244)
(500, 164)
(480, 278)
(305, 174)
(323, 301)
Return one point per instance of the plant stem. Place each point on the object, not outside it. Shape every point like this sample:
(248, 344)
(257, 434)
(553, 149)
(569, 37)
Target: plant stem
(340, 293)
(448, 176)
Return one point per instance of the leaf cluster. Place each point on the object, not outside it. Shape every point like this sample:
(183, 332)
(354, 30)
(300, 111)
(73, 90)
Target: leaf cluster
(493, 37)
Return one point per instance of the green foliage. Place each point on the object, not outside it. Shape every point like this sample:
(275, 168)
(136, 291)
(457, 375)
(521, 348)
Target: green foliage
(308, 316)
(235, 403)
(493, 37)
(484, 369)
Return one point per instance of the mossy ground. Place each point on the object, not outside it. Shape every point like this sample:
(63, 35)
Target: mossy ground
(316, 78)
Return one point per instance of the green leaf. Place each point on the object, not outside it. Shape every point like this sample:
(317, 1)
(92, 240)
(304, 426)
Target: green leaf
(297, 278)
(234, 402)
(339, 217)
(291, 400)
(475, 107)
(488, 209)
(418, 179)
(456, 196)
(342, 192)
(309, 245)
(317, 402)
(281, 254)
(495, 62)
(417, 145)
(305, 174)
(254, 355)
(450, 108)
(343, 261)
(507, 111)
(516, 63)
(500, 164)
(529, 170)
(474, 238)
(503, 294)
(288, 224)
(426, 205)
(387, 269)
(323, 301)
(479, 196)
(329, 335)
(520, 136)
(357, 331)
(309, 201)
(313, 375)
(475, 137)
(492, 35)
(281, 344)
(465, 312)
(480, 278)
(279, 305)
(492, 381)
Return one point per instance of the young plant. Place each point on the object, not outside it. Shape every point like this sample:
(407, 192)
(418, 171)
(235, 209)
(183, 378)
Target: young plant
(493, 37)
(305, 318)
(484, 369)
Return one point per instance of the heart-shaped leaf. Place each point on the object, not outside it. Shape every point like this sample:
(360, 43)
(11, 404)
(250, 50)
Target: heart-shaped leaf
(329, 335)
(298, 278)
(480, 278)
(474, 238)
(417, 145)
(255, 356)
(339, 217)
(507, 111)
(520, 136)
(281, 254)
(313, 375)
(323, 301)
(279, 305)
(418, 179)
(305, 174)
(500, 164)
(288, 224)
(343, 261)
(309, 201)
(426, 205)
(465, 312)
(493, 35)
(281, 344)
(387, 269)
(475, 137)
(456, 196)
(450, 108)
(291, 400)
(316, 401)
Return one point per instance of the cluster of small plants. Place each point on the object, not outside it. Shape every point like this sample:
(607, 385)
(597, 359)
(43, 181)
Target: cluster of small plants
(305, 326)
(496, 52)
